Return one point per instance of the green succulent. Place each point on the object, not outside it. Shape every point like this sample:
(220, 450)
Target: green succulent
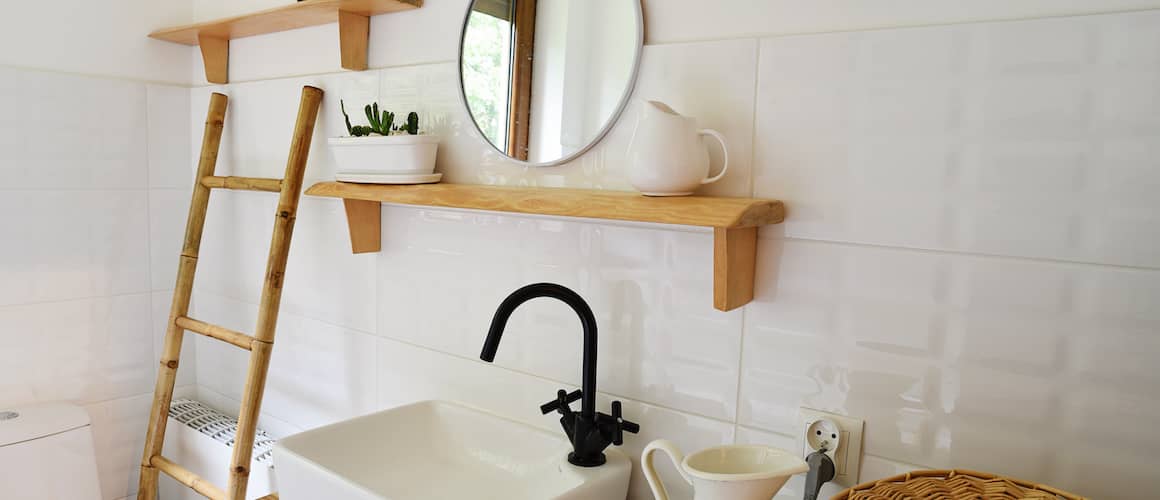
(380, 122)
(412, 125)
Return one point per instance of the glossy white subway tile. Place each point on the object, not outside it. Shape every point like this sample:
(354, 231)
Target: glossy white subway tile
(997, 138)
(1005, 351)
(1103, 471)
(83, 350)
(660, 342)
(63, 245)
(71, 132)
(118, 428)
(323, 280)
(408, 373)
(172, 157)
(168, 210)
(319, 373)
(684, 20)
(98, 39)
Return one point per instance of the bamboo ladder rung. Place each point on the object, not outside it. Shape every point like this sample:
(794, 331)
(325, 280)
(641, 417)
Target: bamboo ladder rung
(242, 183)
(187, 477)
(213, 331)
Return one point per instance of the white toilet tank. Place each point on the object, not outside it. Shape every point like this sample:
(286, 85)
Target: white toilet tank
(46, 453)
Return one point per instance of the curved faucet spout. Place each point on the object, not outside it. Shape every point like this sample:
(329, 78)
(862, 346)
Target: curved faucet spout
(587, 321)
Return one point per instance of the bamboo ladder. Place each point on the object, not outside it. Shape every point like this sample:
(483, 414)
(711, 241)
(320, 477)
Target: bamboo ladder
(259, 345)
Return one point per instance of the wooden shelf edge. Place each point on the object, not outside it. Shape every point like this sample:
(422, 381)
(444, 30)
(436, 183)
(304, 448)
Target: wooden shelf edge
(734, 220)
(353, 17)
(704, 211)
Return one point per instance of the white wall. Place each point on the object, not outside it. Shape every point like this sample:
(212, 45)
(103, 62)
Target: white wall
(91, 151)
(106, 39)
(969, 263)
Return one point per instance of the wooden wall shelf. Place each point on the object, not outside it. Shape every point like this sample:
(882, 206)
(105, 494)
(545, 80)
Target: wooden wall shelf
(734, 220)
(352, 16)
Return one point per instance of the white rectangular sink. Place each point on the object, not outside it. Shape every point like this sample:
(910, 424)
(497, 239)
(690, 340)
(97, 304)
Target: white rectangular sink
(440, 450)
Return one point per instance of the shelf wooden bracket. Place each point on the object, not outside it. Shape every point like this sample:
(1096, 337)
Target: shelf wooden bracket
(354, 31)
(364, 221)
(215, 53)
(734, 261)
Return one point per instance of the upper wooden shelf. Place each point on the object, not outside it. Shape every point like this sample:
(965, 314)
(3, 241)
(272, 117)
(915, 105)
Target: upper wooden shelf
(734, 220)
(353, 17)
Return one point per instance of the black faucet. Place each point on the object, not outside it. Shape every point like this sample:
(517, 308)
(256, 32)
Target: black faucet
(590, 432)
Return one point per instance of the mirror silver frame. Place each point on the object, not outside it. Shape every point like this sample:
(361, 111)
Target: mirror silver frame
(612, 120)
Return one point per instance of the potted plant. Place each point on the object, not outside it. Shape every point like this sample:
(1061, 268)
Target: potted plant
(382, 149)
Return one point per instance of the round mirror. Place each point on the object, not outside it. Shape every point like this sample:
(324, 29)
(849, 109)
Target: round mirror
(544, 80)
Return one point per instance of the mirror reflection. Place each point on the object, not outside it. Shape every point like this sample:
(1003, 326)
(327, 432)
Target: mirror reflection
(544, 79)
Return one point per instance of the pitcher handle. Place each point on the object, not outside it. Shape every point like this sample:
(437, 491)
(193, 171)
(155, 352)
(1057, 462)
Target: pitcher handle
(724, 149)
(650, 473)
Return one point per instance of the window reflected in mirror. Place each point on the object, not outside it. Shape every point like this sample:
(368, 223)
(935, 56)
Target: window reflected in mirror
(544, 79)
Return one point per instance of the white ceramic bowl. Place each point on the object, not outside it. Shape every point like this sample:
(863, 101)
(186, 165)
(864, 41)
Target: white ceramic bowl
(396, 154)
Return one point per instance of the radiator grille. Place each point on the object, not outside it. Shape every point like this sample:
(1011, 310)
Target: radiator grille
(219, 426)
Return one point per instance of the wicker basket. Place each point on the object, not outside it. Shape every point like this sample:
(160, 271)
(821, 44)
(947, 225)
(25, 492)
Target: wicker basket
(952, 485)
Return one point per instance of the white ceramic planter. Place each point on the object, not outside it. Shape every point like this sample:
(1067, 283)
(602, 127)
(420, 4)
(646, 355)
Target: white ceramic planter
(395, 154)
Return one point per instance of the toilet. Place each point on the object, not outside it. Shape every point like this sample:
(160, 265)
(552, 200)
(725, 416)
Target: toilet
(46, 453)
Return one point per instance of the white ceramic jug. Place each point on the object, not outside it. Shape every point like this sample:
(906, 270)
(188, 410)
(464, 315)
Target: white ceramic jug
(736, 472)
(666, 154)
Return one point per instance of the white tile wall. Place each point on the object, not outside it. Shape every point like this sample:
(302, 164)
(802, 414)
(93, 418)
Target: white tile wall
(71, 244)
(687, 20)
(320, 373)
(102, 122)
(84, 350)
(1024, 139)
(96, 38)
(118, 437)
(171, 152)
(969, 262)
(431, 34)
(662, 342)
(76, 309)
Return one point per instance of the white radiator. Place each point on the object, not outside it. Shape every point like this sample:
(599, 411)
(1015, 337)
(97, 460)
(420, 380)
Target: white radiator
(201, 439)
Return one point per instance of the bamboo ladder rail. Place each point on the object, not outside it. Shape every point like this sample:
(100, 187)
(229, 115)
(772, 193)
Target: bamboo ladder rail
(261, 343)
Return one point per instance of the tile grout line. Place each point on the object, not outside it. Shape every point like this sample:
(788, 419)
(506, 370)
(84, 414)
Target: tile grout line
(753, 166)
(753, 122)
(80, 299)
(965, 253)
(149, 228)
(881, 28)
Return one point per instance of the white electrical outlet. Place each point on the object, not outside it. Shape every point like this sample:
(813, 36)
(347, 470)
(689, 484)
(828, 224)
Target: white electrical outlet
(823, 429)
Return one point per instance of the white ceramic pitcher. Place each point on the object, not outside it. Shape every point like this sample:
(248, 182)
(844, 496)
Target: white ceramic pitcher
(666, 154)
(735, 472)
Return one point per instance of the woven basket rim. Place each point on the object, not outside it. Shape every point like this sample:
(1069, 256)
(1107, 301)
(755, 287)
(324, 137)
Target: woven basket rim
(950, 473)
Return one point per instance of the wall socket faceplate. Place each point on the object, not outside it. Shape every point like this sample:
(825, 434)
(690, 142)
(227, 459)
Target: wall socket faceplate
(848, 455)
